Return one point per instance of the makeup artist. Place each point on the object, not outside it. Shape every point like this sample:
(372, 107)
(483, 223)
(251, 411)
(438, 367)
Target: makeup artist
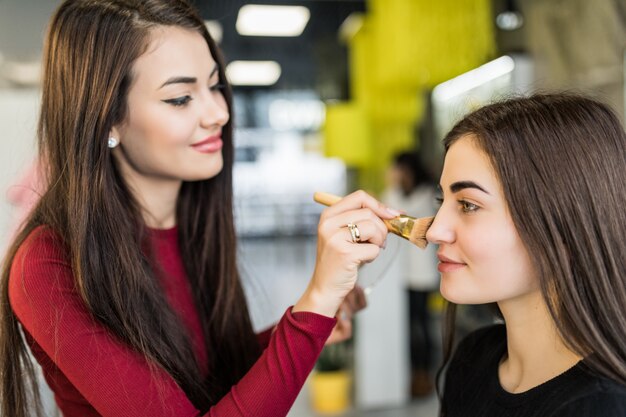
(123, 280)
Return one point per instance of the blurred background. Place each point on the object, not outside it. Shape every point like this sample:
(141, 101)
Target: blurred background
(327, 94)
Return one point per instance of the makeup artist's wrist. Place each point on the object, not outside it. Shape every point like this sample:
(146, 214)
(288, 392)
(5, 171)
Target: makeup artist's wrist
(315, 301)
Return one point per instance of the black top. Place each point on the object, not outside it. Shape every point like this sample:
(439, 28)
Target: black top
(473, 389)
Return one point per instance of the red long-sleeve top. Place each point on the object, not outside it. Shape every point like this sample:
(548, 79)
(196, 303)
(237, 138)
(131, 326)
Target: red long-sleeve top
(92, 373)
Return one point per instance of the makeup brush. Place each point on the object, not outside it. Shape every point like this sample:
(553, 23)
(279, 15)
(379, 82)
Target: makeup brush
(407, 227)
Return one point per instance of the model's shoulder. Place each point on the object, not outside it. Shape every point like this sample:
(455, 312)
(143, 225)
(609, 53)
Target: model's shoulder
(600, 397)
(479, 348)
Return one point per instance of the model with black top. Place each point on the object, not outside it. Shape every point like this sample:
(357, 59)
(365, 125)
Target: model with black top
(532, 219)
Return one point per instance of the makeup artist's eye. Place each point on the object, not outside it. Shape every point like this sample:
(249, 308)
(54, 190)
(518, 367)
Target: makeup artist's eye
(467, 207)
(179, 101)
(438, 201)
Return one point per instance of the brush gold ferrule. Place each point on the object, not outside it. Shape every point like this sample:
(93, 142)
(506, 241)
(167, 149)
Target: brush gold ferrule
(401, 225)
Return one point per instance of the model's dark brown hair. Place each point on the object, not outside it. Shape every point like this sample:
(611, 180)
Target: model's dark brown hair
(89, 54)
(561, 160)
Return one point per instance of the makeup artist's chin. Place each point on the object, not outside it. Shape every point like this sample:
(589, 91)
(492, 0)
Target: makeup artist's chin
(207, 168)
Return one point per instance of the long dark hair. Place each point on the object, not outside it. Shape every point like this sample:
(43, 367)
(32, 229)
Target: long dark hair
(561, 160)
(89, 206)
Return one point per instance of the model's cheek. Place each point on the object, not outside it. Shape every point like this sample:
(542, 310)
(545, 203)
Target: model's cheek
(522, 269)
(480, 246)
(487, 256)
(508, 265)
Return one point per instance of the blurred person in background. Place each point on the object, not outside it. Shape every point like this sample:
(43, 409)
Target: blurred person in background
(411, 189)
(532, 219)
(122, 281)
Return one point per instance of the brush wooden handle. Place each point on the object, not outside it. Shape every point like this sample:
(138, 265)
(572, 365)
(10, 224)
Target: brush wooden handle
(326, 198)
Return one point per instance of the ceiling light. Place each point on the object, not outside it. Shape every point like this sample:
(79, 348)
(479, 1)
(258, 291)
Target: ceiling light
(474, 78)
(509, 20)
(261, 20)
(253, 72)
(351, 26)
(215, 30)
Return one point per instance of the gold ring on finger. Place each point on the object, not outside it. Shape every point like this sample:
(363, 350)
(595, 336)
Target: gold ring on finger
(354, 233)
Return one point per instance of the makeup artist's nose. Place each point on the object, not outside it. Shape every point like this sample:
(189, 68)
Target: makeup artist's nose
(440, 231)
(214, 111)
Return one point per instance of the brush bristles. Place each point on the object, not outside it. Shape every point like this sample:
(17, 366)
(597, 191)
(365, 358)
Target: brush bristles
(418, 233)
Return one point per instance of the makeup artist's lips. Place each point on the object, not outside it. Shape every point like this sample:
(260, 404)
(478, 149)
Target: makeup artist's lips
(448, 265)
(209, 145)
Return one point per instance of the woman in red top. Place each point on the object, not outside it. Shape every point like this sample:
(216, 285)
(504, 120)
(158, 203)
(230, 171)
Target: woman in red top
(123, 280)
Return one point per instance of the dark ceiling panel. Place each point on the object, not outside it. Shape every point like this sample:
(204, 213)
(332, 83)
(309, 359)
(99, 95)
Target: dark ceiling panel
(314, 60)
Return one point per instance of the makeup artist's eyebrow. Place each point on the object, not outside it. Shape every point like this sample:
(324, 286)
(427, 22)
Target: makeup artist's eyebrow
(186, 80)
(461, 185)
(214, 70)
(179, 80)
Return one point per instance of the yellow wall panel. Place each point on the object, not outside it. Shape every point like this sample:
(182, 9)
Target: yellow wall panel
(347, 134)
(402, 48)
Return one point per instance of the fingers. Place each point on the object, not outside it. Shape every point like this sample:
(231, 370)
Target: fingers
(341, 250)
(345, 313)
(353, 216)
(353, 303)
(371, 228)
(358, 299)
(369, 231)
(355, 300)
(341, 332)
(346, 328)
(360, 199)
(361, 252)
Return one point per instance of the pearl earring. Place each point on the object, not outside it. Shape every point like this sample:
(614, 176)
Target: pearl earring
(113, 142)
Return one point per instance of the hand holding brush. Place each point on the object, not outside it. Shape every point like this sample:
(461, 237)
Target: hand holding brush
(410, 228)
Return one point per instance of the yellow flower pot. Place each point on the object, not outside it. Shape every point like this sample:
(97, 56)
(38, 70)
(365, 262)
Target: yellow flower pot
(330, 391)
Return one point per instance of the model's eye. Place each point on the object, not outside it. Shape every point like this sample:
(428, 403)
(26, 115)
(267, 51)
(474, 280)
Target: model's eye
(468, 207)
(439, 201)
(217, 87)
(178, 101)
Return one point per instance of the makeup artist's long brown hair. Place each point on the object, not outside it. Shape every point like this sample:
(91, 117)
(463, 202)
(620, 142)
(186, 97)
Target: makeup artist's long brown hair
(561, 160)
(89, 53)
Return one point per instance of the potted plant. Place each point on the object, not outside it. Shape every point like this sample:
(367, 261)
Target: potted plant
(331, 380)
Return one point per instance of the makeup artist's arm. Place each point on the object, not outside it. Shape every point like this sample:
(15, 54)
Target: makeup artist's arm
(264, 337)
(95, 370)
(352, 304)
(338, 258)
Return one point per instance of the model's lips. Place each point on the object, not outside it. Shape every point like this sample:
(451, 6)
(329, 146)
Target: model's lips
(209, 145)
(448, 265)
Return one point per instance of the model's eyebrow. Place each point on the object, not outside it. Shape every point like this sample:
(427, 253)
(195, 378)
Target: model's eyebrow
(455, 187)
(186, 80)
